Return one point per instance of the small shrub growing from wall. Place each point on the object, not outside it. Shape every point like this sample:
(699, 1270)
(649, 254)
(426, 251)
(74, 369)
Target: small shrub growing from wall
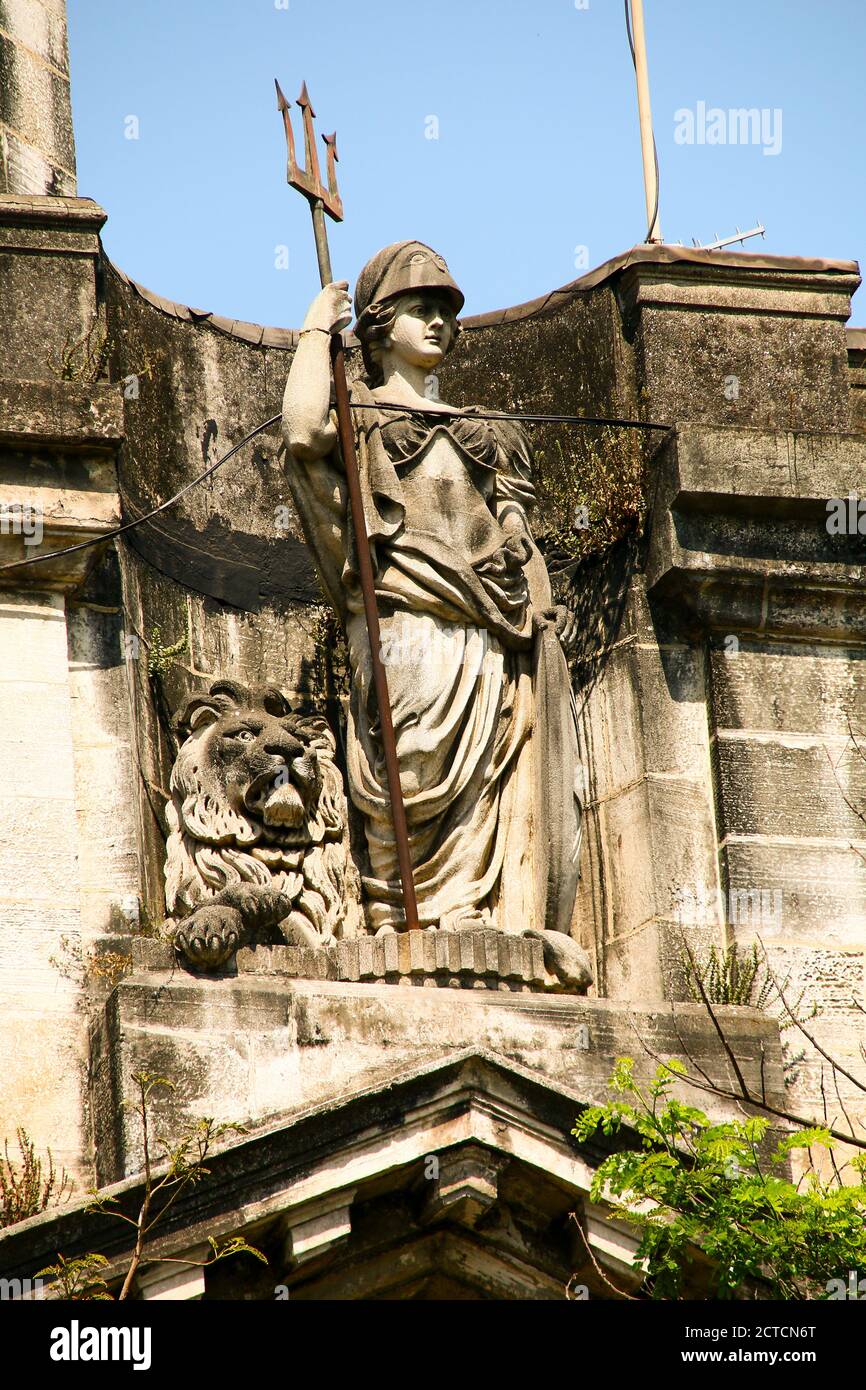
(25, 1187)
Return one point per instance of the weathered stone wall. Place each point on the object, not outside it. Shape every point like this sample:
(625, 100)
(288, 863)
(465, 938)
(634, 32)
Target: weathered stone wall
(69, 875)
(694, 762)
(218, 571)
(37, 145)
(781, 603)
(740, 555)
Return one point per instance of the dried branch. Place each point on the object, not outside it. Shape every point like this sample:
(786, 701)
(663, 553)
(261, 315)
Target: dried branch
(621, 1293)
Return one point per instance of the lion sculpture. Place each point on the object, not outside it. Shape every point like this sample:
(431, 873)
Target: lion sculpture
(259, 842)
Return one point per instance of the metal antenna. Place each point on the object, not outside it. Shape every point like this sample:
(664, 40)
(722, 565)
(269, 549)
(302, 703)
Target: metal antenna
(729, 240)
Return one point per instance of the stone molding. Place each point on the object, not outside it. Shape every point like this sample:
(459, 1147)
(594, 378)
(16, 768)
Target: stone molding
(814, 291)
(738, 531)
(50, 213)
(833, 278)
(479, 1114)
(58, 445)
(482, 960)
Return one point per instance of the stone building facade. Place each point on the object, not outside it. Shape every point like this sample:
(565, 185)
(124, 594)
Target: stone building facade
(721, 699)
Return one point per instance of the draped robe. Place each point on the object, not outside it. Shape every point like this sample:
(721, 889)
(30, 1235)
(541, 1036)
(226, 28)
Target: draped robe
(481, 702)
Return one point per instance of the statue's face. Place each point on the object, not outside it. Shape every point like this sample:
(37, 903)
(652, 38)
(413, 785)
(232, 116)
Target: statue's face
(423, 329)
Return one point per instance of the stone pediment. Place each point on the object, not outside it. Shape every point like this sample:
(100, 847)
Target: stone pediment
(456, 1179)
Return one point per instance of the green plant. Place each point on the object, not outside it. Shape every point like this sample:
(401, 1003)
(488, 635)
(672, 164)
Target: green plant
(79, 1279)
(590, 497)
(25, 1189)
(110, 966)
(182, 1166)
(81, 358)
(728, 977)
(724, 977)
(693, 1186)
(75, 964)
(161, 657)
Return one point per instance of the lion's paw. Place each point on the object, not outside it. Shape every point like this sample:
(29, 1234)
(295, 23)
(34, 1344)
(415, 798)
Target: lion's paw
(209, 936)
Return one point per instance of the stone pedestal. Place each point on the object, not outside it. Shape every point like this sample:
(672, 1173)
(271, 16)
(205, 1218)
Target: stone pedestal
(267, 1043)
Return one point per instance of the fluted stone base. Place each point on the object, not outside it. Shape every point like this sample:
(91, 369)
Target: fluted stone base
(491, 959)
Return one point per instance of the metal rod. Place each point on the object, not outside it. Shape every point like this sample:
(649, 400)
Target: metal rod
(320, 232)
(368, 586)
(721, 242)
(404, 409)
(371, 613)
(646, 122)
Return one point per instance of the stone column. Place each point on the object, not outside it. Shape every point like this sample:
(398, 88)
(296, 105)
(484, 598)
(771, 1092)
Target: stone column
(68, 862)
(734, 669)
(37, 146)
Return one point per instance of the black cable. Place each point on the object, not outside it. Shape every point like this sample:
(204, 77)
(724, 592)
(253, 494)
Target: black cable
(119, 530)
(503, 415)
(259, 429)
(652, 132)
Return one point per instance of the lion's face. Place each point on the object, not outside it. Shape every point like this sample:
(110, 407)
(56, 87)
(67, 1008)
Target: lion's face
(253, 773)
(264, 767)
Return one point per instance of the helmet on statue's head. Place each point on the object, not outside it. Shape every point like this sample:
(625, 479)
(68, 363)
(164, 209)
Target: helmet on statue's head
(403, 268)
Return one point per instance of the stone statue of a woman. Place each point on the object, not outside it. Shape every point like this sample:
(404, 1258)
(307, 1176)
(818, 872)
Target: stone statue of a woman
(482, 706)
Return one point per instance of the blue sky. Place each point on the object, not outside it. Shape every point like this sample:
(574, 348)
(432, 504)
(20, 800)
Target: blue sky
(537, 155)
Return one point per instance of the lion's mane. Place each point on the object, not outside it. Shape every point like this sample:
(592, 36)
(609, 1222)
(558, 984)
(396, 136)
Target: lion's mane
(212, 845)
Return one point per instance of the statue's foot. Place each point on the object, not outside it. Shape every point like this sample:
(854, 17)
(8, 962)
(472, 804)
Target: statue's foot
(568, 963)
(209, 936)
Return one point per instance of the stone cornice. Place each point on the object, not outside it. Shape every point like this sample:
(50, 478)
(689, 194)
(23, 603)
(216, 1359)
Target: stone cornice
(60, 412)
(738, 532)
(838, 277)
(36, 210)
(291, 1165)
(58, 444)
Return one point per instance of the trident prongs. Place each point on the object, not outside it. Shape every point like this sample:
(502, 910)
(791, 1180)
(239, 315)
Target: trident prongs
(332, 157)
(309, 180)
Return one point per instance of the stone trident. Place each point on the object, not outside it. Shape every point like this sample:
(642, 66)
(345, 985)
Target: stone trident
(327, 200)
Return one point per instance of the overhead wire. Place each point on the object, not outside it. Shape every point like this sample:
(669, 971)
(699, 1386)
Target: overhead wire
(139, 520)
(533, 419)
(274, 419)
